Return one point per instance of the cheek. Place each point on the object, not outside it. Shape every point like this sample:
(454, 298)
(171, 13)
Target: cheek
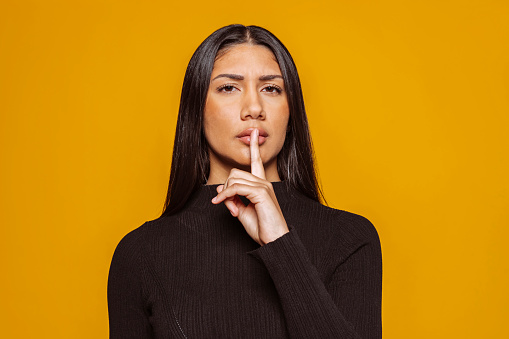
(216, 121)
(283, 117)
(283, 109)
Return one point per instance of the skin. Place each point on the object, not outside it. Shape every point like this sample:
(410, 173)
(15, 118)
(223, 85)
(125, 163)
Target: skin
(233, 105)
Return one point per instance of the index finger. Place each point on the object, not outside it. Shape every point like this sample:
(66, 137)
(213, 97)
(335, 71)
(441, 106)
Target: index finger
(256, 160)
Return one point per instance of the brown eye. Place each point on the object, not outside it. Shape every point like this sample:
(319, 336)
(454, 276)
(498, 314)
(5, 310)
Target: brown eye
(226, 88)
(273, 89)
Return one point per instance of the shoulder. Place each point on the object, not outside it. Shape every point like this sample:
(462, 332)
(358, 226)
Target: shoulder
(136, 241)
(359, 226)
(323, 224)
(331, 220)
(348, 225)
(353, 233)
(128, 247)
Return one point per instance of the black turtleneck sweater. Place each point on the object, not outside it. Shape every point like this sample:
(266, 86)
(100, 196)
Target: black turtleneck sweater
(198, 274)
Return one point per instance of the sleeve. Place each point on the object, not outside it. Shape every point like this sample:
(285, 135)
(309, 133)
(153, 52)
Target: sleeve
(348, 306)
(128, 317)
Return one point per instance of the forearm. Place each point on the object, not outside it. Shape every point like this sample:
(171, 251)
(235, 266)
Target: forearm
(311, 311)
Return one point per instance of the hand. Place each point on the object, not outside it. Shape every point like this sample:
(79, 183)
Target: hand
(262, 218)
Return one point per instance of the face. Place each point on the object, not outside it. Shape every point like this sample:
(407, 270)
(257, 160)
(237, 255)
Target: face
(246, 90)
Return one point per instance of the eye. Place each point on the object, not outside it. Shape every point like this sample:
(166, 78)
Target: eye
(273, 89)
(227, 88)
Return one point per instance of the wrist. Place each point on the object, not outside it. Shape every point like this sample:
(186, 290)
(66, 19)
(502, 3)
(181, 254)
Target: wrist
(275, 235)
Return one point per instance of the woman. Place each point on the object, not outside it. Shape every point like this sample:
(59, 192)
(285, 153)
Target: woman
(244, 248)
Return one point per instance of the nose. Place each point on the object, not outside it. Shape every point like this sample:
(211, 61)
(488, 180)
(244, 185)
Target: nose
(252, 105)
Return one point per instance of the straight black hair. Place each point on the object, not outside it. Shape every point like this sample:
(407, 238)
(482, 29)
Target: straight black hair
(190, 162)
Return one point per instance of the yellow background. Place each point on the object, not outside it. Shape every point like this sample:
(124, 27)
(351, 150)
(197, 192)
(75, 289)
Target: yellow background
(408, 104)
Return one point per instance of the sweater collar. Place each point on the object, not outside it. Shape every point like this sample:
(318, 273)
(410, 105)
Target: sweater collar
(201, 198)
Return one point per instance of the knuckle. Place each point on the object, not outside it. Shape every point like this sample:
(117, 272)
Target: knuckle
(263, 189)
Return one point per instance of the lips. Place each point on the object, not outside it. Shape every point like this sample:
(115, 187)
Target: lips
(245, 136)
(247, 132)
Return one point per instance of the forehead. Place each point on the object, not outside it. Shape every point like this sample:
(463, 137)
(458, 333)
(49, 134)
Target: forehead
(246, 58)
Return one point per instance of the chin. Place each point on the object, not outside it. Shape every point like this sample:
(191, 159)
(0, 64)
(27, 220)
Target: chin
(242, 161)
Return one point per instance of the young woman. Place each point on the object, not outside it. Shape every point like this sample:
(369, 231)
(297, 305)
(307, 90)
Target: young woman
(244, 248)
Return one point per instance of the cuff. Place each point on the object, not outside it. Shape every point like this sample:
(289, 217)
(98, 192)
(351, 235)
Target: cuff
(276, 254)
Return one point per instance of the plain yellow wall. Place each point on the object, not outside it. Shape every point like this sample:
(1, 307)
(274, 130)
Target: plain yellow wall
(408, 104)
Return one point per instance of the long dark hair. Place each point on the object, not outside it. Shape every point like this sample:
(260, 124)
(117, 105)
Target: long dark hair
(190, 162)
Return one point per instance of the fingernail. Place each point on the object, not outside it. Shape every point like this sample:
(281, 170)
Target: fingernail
(214, 199)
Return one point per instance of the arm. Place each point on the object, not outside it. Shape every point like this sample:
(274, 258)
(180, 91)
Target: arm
(349, 306)
(127, 315)
(311, 309)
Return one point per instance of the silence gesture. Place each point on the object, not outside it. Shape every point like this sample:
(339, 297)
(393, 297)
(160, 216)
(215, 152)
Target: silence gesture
(262, 218)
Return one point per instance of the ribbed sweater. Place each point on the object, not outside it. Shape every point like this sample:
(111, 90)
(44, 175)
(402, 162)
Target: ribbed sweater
(198, 274)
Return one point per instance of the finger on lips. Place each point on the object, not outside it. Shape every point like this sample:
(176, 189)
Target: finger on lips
(256, 159)
(257, 170)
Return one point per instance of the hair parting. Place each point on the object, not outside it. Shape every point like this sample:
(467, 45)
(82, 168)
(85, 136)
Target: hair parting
(190, 160)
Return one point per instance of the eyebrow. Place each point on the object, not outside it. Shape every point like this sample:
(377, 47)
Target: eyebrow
(240, 77)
